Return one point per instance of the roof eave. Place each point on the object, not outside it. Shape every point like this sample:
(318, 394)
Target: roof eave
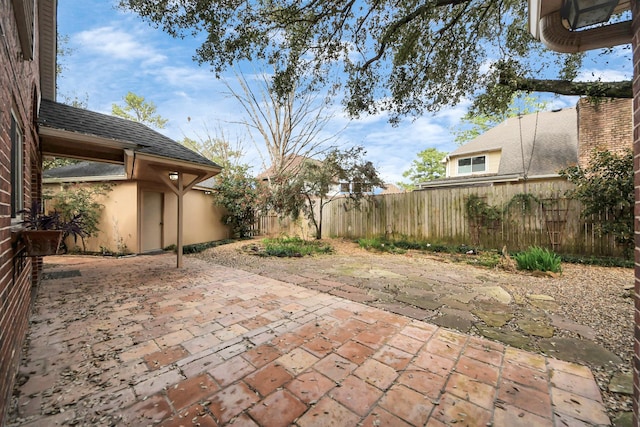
(494, 179)
(61, 180)
(545, 24)
(473, 152)
(48, 47)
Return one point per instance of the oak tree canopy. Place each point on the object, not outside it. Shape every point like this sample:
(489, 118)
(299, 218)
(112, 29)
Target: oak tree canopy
(406, 57)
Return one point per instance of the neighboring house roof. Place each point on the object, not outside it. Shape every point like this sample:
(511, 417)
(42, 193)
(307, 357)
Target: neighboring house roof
(207, 184)
(83, 170)
(146, 140)
(292, 163)
(535, 145)
(391, 189)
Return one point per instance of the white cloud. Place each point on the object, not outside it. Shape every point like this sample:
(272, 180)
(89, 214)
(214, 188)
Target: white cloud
(117, 53)
(117, 44)
(186, 76)
(606, 75)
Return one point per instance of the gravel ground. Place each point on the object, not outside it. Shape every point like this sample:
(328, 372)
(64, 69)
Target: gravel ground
(597, 297)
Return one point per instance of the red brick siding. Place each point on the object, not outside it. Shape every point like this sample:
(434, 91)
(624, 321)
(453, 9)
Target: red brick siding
(18, 83)
(606, 125)
(636, 167)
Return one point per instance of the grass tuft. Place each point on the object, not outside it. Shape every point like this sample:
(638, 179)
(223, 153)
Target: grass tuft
(538, 259)
(294, 247)
(381, 245)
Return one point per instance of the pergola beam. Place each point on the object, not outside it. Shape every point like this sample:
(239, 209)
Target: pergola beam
(179, 189)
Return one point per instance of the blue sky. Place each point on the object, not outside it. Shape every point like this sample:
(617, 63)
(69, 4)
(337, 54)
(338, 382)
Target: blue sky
(115, 52)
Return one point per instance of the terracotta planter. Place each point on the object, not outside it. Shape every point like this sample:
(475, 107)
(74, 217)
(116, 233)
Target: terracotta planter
(42, 242)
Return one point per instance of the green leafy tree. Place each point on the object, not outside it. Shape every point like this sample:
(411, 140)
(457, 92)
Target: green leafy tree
(401, 56)
(75, 199)
(137, 109)
(605, 188)
(319, 182)
(56, 162)
(216, 147)
(235, 189)
(427, 167)
(239, 193)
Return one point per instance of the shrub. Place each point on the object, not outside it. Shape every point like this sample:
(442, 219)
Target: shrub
(599, 261)
(380, 245)
(294, 247)
(541, 259)
(200, 247)
(606, 190)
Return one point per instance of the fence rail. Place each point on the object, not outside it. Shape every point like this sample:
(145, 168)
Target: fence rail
(550, 220)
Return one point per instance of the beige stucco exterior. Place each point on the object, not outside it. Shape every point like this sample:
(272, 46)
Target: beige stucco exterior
(492, 163)
(121, 223)
(202, 222)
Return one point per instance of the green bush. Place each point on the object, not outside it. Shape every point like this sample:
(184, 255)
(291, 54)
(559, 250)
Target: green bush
(599, 261)
(540, 259)
(294, 247)
(401, 246)
(381, 245)
(200, 247)
(485, 257)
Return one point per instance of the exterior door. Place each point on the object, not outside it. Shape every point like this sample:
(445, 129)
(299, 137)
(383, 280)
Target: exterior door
(152, 202)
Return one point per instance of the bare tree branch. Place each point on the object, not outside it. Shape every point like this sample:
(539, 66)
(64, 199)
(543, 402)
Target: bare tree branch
(290, 126)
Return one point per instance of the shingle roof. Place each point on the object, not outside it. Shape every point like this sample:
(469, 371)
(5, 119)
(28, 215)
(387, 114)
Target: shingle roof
(292, 163)
(546, 141)
(64, 117)
(108, 171)
(85, 170)
(207, 183)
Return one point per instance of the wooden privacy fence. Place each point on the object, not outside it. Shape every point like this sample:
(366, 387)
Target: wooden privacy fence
(439, 215)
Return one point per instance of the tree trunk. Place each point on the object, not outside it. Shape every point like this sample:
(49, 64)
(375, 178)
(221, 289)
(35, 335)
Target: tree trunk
(319, 226)
(621, 89)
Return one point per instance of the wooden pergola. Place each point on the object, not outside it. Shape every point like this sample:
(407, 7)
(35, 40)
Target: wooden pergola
(146, 155)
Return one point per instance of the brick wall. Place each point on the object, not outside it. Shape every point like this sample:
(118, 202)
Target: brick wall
(18, 86)
(606, 125)
(636, 167)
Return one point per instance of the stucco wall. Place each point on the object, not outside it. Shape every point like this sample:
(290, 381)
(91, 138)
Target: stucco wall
(492, 164)
(118, 220)
(202, 220)
(119, 223)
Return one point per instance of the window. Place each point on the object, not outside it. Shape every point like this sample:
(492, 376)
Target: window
(17, 176)
(361, 187)
(472, 165)
(355, 187)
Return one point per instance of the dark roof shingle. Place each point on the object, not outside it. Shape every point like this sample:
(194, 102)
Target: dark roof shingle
(84, 170)
(64, 117)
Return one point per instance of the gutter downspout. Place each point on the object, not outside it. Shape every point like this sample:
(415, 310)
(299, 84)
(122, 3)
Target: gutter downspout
(557, 37)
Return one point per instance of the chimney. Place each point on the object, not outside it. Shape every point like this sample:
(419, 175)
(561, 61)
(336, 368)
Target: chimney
(606, 125)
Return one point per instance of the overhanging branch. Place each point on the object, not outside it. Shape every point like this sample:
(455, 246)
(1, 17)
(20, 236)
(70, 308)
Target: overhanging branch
(622, 89)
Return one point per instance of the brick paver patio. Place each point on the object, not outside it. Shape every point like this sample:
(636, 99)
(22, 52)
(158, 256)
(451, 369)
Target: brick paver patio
(135, 341)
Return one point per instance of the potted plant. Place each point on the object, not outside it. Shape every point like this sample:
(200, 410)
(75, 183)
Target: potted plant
(44, 233)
